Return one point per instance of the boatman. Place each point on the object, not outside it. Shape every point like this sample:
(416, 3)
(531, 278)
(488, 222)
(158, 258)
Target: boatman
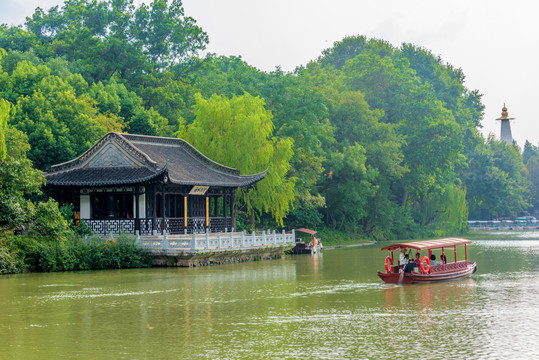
(403, 258)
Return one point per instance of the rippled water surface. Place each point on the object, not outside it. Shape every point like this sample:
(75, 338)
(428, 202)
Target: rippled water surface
(327, 306)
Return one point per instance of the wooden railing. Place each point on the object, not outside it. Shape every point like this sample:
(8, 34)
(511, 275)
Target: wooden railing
(450, 266)
(215, 242)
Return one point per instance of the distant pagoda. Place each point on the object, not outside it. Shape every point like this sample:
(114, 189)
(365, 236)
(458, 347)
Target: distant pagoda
(505, 131)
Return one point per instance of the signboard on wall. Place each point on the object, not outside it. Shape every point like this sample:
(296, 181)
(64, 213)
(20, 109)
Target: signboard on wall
(199, 190)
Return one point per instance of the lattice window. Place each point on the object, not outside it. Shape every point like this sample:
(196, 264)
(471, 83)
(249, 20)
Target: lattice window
(112, 226)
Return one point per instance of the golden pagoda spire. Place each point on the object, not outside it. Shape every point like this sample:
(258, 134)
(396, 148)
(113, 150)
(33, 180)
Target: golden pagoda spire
(505, 114)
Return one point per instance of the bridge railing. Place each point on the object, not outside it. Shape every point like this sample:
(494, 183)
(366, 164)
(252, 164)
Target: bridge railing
(215, 241)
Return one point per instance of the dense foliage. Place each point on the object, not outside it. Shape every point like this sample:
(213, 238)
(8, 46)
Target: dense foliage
(26, 253)
(369, 139)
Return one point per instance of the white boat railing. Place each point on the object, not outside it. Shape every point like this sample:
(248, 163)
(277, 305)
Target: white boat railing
(214, 241)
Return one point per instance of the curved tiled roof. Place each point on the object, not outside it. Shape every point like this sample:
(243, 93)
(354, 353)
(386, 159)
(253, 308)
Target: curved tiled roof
(140, 158)
(101, 176)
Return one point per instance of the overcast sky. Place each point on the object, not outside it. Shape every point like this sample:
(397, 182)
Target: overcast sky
(495, 43)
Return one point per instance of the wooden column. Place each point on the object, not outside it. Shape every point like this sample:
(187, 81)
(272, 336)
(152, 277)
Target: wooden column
(137, 210)
(73, 203)
(154, 210)
(185, 211)
(207, 211)
(225, 197)
(163, 208)
(443, 257)
(232, 210)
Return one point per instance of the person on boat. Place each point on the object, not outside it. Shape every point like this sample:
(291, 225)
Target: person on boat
(417, 259)
(443, 258)
(403, 258)
(433, 260)
(410, 264)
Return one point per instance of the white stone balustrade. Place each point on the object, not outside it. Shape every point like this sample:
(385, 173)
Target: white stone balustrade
(228, 241)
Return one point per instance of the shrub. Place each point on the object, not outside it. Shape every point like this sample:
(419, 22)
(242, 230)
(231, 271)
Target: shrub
(49, 222)
(9, 263)
(76, 253)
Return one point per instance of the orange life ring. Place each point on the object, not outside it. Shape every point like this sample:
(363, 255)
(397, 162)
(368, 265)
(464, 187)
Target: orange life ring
(422, 265)
(389, 264)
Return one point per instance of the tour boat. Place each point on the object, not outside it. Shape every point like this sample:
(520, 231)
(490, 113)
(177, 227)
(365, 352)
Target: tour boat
(423, 269)
(312, 247)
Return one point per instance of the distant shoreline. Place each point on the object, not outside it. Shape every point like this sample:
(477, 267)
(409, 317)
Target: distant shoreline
(350, 245)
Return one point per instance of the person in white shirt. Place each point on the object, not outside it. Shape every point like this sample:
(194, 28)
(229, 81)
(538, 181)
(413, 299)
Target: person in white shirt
(403, 258)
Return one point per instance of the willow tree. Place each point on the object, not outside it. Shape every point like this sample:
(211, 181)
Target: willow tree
(237, 132)
(4, 113)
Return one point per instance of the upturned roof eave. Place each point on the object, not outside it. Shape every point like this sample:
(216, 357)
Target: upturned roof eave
(242, 181)
(127, 181)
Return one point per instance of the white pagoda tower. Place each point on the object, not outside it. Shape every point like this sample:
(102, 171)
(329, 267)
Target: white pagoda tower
(505, 131)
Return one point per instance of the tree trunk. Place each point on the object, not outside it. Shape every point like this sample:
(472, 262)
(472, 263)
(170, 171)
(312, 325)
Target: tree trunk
(251, 219)
(404, 198)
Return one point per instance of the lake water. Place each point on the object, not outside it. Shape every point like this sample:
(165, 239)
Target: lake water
(327, 306)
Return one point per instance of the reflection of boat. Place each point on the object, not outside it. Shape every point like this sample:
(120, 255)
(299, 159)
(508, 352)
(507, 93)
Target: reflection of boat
(424, 269)
(311, 247)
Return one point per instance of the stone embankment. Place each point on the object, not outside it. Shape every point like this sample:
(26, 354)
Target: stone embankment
(218, 257)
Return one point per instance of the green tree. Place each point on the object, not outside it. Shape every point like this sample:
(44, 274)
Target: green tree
(4, 114)
(352, 46)
(300, 112)
(116, 101)
(14, 38)
(238, 132)
(348, 188)
(355, 122)
(434, 140)
(60, 124)
(532, 167)
(496, 180)
(448, 85)
(434, 118)
(19, 181)
(445, 212)
(49, 222)
(165, 34)
(529, 152)
(113, 36)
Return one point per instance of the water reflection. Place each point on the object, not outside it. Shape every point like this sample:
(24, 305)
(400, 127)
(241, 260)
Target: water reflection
(330, 305)
(425, 297)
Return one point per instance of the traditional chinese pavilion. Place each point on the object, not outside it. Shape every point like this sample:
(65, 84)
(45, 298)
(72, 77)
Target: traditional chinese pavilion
(148, 185)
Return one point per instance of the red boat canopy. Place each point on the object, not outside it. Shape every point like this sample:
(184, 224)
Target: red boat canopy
(428, 244)
(306, 231)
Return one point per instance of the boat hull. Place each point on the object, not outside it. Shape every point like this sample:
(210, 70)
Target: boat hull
(417, 277)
